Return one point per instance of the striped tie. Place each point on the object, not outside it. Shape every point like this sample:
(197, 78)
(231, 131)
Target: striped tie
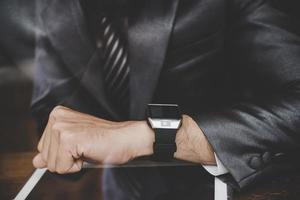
(115, 64)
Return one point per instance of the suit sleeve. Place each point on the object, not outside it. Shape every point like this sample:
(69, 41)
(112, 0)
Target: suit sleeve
(254, 136)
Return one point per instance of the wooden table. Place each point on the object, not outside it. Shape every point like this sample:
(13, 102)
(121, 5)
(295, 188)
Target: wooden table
(16, 168)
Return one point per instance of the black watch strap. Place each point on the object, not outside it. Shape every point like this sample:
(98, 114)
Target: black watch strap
(164, 146)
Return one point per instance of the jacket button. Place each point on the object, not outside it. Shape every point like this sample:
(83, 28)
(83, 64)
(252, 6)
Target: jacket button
(266, 157)
(256, 162)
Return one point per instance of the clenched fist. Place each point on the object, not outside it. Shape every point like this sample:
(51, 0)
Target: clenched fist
(71, 137)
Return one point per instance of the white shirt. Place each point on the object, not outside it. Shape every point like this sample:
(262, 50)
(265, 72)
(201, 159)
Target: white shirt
(216, 170)
(220, 186)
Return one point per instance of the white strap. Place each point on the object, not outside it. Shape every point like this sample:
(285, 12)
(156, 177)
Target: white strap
(32, 181)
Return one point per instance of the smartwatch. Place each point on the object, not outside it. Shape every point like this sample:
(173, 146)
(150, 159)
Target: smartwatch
(165, 120)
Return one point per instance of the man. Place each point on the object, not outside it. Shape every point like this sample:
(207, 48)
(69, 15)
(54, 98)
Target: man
(231, 65)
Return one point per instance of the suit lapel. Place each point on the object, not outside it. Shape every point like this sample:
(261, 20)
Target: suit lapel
(90, 82)
(64, 24)
(66, 28)
(148, 37)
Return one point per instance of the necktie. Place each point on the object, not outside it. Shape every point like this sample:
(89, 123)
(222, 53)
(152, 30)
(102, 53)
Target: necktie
(115, 64)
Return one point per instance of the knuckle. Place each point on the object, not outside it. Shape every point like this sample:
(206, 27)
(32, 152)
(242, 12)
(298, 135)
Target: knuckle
(57, 111)
(58, 108)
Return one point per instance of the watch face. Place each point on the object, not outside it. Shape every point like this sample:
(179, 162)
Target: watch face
(160, 111)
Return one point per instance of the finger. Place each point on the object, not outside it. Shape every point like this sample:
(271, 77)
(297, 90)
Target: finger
(46, 141)
(76, 167)
(52, 151)
(64, 159)
(38, 162)
(40, 144)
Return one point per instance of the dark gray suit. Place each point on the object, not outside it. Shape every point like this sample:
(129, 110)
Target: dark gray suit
(233, 65)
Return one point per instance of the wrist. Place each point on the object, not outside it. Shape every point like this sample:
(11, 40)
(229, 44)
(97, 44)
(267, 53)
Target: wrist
(144, 137)
(192, 145)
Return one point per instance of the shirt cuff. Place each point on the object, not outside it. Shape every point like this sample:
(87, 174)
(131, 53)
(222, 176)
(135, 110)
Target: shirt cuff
(216, 170)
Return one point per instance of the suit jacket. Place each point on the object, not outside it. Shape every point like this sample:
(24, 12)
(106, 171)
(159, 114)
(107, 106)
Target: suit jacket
(233, 65)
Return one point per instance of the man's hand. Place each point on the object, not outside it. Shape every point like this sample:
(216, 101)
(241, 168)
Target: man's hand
(71, 137)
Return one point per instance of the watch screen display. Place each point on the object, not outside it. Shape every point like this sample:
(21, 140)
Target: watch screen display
(164, 111)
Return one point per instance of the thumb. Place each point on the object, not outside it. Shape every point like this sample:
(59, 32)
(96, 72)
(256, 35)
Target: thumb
(38, 162)
(76, 166)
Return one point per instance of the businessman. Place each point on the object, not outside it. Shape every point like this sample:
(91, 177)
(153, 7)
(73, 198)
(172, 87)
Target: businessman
(231, 66)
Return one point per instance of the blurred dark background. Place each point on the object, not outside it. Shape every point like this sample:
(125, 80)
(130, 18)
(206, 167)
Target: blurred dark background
(17, 31)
